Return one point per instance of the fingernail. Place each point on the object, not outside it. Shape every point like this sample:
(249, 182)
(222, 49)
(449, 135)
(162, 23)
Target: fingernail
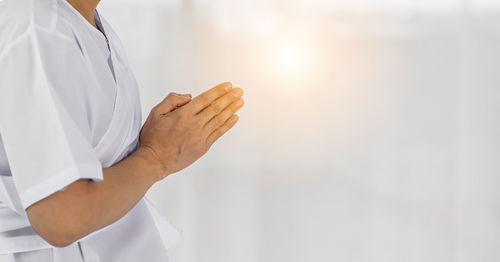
(228, 86)
(239, 102)
(238, 93)
(235, 117)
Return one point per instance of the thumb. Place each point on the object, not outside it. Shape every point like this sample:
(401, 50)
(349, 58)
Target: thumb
(171, 102)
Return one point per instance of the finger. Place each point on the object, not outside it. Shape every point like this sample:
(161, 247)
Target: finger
(221, 118)
(207, 97)
(222, 130)
(171, 102)
(186, 95)
(219, 105)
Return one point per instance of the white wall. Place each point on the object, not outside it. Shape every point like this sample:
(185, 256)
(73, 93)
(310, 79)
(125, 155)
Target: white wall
(373, 138)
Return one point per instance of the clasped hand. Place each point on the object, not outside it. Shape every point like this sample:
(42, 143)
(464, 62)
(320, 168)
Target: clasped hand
(181, 129)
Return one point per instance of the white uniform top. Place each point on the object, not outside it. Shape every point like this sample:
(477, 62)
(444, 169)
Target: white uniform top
(69, 106)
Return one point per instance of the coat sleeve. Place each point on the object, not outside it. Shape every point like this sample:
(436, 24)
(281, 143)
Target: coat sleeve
(43, 117)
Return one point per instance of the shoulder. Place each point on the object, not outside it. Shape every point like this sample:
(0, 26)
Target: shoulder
(15, 20)
(26, 19)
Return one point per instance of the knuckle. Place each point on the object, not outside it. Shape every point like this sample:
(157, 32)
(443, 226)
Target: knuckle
(217, 108)
(180, 116)
(225, 127)
(217, 134)
(171, 97)
(205, 100)
(218, 121)
(211, 97)
(155, 110)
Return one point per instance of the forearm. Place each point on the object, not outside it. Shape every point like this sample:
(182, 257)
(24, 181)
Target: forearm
(86, 206)
(123, 186)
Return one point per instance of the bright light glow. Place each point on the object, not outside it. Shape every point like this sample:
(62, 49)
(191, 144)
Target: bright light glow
(291, 60)
(289, 57)
(289, 63)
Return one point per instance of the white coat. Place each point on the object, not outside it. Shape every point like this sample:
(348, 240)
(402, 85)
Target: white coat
(69, 106)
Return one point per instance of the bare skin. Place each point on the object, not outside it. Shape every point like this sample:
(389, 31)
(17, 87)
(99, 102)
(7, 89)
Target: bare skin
(86, 8)
(177, 132)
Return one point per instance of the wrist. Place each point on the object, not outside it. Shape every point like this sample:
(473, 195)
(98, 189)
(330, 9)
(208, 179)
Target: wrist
(153, 165)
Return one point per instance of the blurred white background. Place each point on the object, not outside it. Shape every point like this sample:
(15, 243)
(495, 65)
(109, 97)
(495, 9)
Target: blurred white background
(370, 131)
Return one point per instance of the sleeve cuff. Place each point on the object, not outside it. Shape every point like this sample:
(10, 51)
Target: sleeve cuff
(62, 180)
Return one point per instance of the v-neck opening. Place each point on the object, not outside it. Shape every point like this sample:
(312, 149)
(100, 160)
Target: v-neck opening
(111, 61)
(89, 26)
(100, 26)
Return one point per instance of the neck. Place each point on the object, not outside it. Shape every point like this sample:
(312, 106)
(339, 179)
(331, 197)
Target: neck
(86, 8)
